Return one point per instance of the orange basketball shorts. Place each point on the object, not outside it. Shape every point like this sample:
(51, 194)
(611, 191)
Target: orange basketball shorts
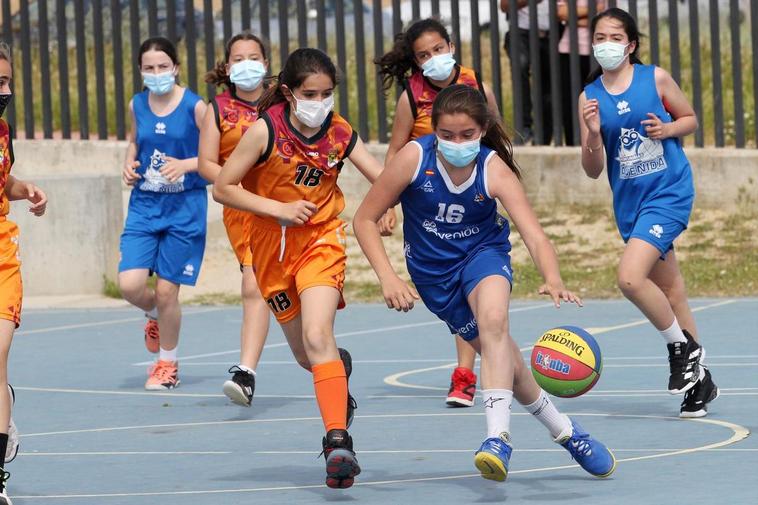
(11, 289)
(239, 228)
(287, 261)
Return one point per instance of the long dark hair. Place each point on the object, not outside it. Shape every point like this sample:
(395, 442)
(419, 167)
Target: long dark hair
(462, 99)
(158, 44)
(299, 65)
(217, 76)
(632, 33)
(396, 63)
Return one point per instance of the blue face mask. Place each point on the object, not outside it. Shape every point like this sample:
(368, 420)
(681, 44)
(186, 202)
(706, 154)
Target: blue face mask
(160, 84)
(439, 68)
(247, 75)
(459, 155)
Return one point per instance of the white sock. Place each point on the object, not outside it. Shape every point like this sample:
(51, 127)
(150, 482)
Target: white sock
(673, 333)
(169, 355)
(152, 314)
(497, 408)
(544, 410)
(246, 369)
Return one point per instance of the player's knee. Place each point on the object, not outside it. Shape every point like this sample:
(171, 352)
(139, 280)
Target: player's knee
(493, 321)
(166, 294)
(630, 285)
(130, 289)
(250, 291)
(316, 339)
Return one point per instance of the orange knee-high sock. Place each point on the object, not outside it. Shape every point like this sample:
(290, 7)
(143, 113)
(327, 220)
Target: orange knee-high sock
(330, 383)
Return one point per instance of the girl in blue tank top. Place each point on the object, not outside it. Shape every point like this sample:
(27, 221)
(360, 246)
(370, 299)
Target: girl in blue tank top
(457, 252)
(165, 226)
(633, 116)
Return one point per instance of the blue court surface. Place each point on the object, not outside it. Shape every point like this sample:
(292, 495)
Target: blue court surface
(92, 435)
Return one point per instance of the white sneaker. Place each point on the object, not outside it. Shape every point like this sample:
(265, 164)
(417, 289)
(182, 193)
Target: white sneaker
(4, 500)
(11, 450)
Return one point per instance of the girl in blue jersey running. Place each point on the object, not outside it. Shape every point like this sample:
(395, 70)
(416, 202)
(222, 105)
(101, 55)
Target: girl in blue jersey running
(634, 116)
(457, 252)
(165, 228)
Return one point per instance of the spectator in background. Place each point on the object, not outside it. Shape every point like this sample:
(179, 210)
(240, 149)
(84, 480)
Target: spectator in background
(568, 98)
(521, 31)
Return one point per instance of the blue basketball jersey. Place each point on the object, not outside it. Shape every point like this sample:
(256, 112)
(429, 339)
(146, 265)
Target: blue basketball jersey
(645, 174)
(444, 224)
(175, 135)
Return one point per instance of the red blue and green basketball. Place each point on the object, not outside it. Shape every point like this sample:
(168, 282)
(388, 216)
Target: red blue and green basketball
(566, 361)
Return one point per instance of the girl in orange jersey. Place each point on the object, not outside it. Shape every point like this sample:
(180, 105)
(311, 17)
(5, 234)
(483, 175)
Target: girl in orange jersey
(425, 50)
(10, 267)
(288, 163)
(230, 115)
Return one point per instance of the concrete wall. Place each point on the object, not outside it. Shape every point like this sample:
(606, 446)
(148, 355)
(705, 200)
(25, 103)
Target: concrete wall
(75, 245)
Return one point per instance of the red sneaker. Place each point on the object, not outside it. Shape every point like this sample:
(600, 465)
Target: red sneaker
(152, 336)
(163, 375)
(462, 388)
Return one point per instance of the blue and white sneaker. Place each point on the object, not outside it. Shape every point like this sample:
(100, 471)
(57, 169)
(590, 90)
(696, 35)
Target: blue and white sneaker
(492, 458)
(591, 454)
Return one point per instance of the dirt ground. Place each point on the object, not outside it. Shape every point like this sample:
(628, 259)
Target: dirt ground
(585, 238)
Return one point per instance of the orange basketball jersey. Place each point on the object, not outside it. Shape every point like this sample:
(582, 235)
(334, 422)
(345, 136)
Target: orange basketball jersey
(298, 168)
(6, 161)
(233, 117)
(421, 94)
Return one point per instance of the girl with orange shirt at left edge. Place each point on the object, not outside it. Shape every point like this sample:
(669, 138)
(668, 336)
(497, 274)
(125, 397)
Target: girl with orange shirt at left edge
(10, 267)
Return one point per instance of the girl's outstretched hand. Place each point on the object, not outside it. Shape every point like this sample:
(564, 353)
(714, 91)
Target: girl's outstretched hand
(398, 294)
(559, 292)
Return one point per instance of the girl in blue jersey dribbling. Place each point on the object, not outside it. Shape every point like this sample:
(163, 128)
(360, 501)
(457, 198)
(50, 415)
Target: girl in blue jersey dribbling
(634, 116)
(457, 251)
(165, 227)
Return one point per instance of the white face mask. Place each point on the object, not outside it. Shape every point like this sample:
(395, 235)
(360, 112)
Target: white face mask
(610, 54)
(313, 113)
(247, 74)
(439, 67)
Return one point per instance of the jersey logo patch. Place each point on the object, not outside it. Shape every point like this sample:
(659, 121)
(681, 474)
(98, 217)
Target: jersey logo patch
(479, 198)
(623, 107)
(160, 128)
(428, 187)
(285, 148)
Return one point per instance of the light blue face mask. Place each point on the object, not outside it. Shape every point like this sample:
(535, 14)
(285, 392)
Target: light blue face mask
(459, 155)
(609, 55)
(247, 75)
(438, 68)
(160, 84)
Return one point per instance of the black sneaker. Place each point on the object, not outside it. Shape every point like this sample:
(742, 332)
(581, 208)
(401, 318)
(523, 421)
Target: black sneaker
(240, 387)
(11, 449)
(4, 500)
(684, 364)
(341, 463)
(696, 400)
(347, 362)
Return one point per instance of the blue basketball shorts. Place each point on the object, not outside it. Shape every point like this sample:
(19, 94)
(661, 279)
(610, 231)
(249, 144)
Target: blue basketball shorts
(165, 233)
(448, 299)
(657, 230)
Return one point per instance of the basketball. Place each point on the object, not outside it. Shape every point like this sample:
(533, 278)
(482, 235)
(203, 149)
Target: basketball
(566, 361)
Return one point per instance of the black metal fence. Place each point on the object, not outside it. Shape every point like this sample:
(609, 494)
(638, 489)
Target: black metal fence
(75, 60)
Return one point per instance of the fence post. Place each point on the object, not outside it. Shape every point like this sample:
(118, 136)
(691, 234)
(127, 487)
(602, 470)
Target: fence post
(63, 93)
(739, 115)
(81, 69)
(26, 70)
(381, 105)
(718, 99)
(360, 68)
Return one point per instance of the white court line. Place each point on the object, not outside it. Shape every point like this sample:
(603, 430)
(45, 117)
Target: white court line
(666, 365)
(738, 433)
(606, 329)
(340, 335)
(128, 453)
(447, 360)
(394, 379)
(609, 392)
(517, 449)
(106, 323)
